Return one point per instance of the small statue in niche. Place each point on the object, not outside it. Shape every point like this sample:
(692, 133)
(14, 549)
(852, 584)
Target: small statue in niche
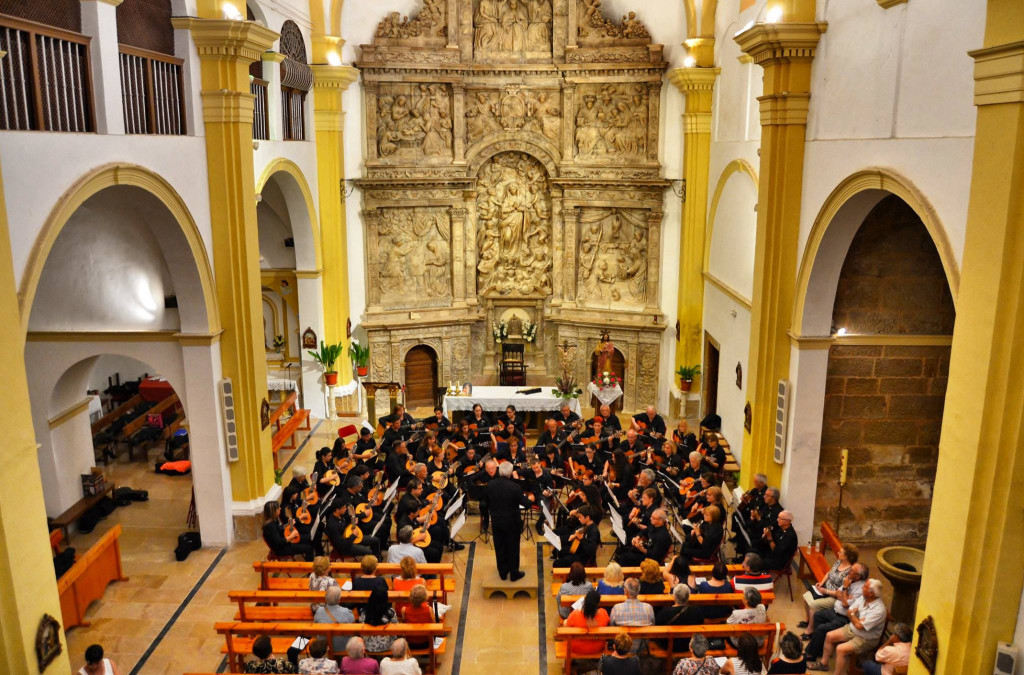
(603, 352)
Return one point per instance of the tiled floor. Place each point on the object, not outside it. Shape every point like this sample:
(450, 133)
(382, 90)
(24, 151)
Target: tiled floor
(501, 635)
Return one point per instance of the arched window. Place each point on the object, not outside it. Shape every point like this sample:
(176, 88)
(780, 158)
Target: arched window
(296, 80)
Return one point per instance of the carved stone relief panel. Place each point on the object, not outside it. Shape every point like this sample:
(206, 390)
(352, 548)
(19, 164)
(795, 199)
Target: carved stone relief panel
(592, 23)
(428, 23)
(414, 257)
(513, 109)
(612, 262)
(513, 225)
(414, 122)
(611, 122)
(507, 29)
(451, 343)
(647, 373)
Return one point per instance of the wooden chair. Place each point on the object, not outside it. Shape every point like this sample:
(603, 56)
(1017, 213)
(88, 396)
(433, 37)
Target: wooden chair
(513, 365)
(787, 571)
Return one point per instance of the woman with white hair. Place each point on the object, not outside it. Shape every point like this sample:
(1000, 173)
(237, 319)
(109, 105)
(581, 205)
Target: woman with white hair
(356, 662)
(401, 661)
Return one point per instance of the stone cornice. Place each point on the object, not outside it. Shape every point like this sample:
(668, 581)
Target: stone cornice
(770, 43)
(223, 37)
(273, 57)
(886, 4)
(999, 74)
(693, 79)
(334, 77)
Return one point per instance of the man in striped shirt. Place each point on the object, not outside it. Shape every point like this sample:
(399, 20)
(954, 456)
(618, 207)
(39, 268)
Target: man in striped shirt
(753, 575)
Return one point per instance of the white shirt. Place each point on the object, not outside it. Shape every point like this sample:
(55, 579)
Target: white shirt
(855, 591)
(107, 670)
(398, 551)
(407, 667)
(872, 617)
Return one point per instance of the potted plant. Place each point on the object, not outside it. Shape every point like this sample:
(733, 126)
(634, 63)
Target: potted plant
(360, 356)
(327, 356)
(566, 388)
(278, 343)
(686, 375)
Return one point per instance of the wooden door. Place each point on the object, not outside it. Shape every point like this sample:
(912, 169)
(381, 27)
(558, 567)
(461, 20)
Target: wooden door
(709, 375)
(618, 367)
(420, 377)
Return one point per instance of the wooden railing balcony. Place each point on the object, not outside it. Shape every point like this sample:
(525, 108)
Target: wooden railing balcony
(260, 118)
(152, 89)
(45, 78)
(293, 102)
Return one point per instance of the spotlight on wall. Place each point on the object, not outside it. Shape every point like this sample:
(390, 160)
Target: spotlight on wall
(689, 62)
(170, 302)
(774, 15)
(841, 331)
(231, 12)
(333, 59)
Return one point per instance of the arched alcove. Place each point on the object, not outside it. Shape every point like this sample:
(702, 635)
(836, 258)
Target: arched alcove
(617, 367)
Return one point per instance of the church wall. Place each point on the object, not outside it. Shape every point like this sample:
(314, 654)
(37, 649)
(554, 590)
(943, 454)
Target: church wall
(108, 365)
(728, 322)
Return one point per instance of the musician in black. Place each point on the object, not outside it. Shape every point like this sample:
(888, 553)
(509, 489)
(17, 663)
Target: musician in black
(694, 467)
(608, 420)
(639, 521)
(514, 421)
(291, 501)
(407, 513)
(551, 458)
(399, 413)
(551, 433)
(650, 422)
(273, 535)
(619, 477)
(322, 465)
(511, 452)
(438, 423)
(589, 537)
(505, 497)
(366, 446)
(751, 499)
(478, 490)
(565, 416)
(714, 455)
(632, 445)
(340, 518)
(763, 515)
(706, 537)
(397, 462)
(538, 481)
(654, 545)
(392, 435)
(588, 460)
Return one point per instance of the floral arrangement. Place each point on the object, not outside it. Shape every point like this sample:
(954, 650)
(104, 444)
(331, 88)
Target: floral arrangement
(278, 342)
(607, 379)
(566, 387)
(529, 332)
(499, 331)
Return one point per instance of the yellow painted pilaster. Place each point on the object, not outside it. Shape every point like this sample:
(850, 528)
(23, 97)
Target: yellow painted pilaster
(226, 48)
(27, 585)
(785, 52)
(329, 83)
(971, 585)
(697, 85)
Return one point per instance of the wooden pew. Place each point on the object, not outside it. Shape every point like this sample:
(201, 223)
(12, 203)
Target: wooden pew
(265, 605)
(813, 565)
(563, 635)
(108, 419)
(700, 599)
(445, 582)
(239, 636)
(136, 424)
(286, 433)
(76, 510)
(88, 578)
(558, 574)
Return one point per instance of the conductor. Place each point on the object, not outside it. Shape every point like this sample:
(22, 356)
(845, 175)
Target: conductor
(505, 498)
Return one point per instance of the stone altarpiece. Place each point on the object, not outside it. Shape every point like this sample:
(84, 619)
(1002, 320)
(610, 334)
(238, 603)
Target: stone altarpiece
(512, 174)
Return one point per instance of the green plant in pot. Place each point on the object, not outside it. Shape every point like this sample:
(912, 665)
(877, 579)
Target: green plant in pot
(327, 356)
(360, 356)
(686, 375)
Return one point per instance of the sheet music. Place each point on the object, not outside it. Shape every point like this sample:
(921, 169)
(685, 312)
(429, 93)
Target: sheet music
(547, 513)
(384, 517)
(619, 532)
(392, 489)
(457, 525)
(367, 425)
(675, 533)
(615, 500)
(552, 538)
(669, 479)
(453, 507)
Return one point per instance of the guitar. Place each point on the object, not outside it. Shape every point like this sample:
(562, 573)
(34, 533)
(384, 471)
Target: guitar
(430, 511)
(291, 533)
(352, 531)
(576, 537)
(641, 428)
(310, 496)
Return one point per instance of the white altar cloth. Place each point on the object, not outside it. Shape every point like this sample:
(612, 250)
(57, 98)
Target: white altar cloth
(607, 395)
(494, 399)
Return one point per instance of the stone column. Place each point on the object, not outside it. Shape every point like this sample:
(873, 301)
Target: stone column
(311, 302)
(571, 217)
(27, 583)
(459, 120)
(370, 91)
(458, 256)
(653, 120)
(372, 219)
(785, 51)
(272, 74)
(329, 83)
(226, 48)
(99, 21)
(654, 219)
(469, 196)
(697, 85)
(557, 243)
(568, 120)
(976, 535)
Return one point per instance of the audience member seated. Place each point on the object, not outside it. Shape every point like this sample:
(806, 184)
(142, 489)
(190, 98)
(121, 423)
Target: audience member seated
(401, 661)
(95, 664)
(718, 583)
(632, 612)
(408, 578)
(406, 547)
(651, 581)
(263, 660)
(368, 579)
(591, 616)
(334, 612)
(622, 661)
(751, 612)
(867, 621)
(747, 660)
(753, 575)
(893, 654)
(575, 584)
(791, 660)
(699, 662)
(379, 612)
(611, 583)
(678, 572)
(778, 543)
(317, 662)
(418, 611)
(823, 594)
(681, 613)
(320, 578)
(838, 616)
(356, 662)
(706, 537)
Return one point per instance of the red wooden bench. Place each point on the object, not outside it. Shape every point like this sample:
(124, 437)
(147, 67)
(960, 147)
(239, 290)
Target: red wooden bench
(284, 434)
(813, 565)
